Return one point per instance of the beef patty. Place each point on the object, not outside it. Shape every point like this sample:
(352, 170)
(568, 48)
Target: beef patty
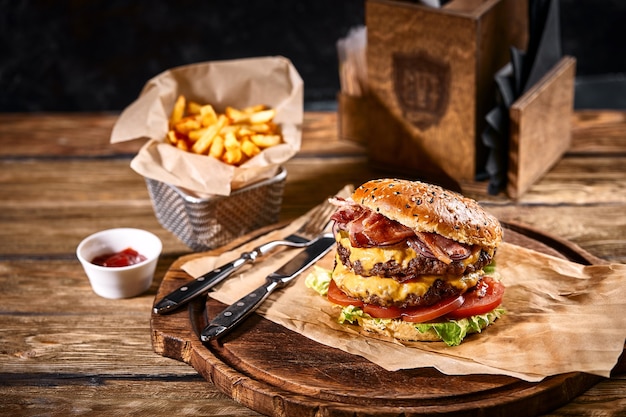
(420, 265)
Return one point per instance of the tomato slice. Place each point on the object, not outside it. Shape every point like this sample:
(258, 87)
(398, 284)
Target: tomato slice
(335, 295)
(423, 314)
(383, 312)
(485, 297)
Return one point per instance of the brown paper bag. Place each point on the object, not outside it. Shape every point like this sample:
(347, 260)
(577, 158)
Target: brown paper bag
(272, 81)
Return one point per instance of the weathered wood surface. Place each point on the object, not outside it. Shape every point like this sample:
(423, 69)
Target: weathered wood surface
(429, 100)
(65, 351)
(540, 127)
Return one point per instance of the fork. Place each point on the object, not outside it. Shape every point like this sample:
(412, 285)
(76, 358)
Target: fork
(318, 220)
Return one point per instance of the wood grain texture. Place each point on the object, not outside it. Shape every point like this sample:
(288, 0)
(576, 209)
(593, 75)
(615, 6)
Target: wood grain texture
(402, 29)
(540, 129)
(430, 74)
(65, 351)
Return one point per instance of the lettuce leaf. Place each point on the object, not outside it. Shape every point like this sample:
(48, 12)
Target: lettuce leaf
(454, 331)
(318, 280)
(350, 314)
(451, 332)
(491, 268)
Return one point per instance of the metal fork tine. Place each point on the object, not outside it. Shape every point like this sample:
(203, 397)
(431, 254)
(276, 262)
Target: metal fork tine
(318, 219)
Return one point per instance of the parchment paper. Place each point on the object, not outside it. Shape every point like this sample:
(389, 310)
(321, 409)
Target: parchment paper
(272, 81)
(561, 317)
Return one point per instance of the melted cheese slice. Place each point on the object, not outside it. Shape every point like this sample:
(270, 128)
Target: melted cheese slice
(388, 288)
(391, 290)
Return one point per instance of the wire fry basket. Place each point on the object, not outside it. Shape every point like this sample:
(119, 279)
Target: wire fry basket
(209, 223)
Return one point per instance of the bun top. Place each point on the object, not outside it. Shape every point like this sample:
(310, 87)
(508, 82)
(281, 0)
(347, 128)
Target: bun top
(429, 208)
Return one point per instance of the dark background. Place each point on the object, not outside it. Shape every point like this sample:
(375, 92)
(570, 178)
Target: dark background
(95, 55)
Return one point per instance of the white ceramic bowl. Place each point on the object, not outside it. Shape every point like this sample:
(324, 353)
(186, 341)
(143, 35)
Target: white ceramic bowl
(125, 281)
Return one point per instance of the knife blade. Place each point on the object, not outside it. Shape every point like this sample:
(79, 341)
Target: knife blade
(238, 311)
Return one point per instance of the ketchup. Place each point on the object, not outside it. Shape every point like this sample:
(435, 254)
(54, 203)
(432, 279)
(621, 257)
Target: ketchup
(127, 257)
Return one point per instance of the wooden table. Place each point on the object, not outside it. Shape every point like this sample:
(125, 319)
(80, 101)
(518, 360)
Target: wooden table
(65, 351)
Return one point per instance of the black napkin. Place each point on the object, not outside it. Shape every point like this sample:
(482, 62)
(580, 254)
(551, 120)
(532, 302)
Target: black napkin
(514, 79)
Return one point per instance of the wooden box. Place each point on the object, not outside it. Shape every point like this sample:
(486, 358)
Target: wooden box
(540, 127)
(431, 80)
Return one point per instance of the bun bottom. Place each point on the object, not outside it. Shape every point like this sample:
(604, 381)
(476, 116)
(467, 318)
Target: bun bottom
(408, 332)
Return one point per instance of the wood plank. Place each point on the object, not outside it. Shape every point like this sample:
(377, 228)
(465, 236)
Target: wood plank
(30, 209)
(50, 134)
(96, 336)
(67, 394)
(36, 195)
(123, 395)
(540, 127)
(88, 135)
(599, 229)
(581, 180)
(599, 132)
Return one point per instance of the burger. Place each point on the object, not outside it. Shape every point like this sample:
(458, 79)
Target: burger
(414, 262)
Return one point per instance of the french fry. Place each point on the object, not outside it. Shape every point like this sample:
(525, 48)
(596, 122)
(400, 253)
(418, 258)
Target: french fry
(171, 137)
(235, 115)
(186, 125)
(194, 135)
(262, 127)
(265, 141)
(193, 108)
(263, 116)
(182, 145)
(208, 115)
(232, 137)
(217, 147)
(202, 145)
(179, 110)
(232, 149)
(249, 148)
(254, 109)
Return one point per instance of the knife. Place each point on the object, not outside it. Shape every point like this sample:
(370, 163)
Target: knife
(236, 312)
(202, 284)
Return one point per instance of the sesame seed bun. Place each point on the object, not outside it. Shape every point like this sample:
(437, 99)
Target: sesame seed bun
(429, 208)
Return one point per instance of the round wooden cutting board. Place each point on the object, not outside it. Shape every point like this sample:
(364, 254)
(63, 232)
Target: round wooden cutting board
(277, 372)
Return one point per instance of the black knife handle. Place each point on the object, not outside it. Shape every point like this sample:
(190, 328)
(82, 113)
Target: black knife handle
(201, 285)
(238, 311)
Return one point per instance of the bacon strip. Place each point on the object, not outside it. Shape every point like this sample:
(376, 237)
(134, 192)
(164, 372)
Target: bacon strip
(369, 229)
(432, 243)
